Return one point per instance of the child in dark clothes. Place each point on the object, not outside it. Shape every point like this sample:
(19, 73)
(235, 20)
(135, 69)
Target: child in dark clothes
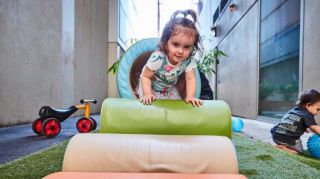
(286, 134)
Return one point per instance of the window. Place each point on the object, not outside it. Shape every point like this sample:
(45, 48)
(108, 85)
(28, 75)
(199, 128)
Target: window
(279, 56)
(136, 21)
(219, 10)
(223, 3)
(215, 16)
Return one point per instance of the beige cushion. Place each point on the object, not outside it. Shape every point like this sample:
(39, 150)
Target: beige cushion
(96, 175)
(150, 153)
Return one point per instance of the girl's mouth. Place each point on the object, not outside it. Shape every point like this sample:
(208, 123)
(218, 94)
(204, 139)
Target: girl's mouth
(177, 58)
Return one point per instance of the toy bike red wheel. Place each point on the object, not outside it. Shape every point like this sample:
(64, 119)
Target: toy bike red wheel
(94, 123)
(84, 125)
(37, 126)
(51, 127)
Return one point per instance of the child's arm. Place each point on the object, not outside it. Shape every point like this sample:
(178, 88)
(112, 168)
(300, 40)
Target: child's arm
(315, 129)
(146, 77)
(191, 89)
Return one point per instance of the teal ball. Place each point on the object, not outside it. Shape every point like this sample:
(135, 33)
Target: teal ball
(237, 124)
(313, 145)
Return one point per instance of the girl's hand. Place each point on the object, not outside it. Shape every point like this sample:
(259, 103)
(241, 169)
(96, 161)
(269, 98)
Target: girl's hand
(147, 99)
(194, 101)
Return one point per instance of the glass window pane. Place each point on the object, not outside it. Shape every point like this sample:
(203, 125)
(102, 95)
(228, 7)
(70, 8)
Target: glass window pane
(268, 6)
(279, 57)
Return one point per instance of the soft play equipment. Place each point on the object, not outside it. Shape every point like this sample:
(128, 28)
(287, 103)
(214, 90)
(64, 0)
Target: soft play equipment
(168, 139)
(313, 145)
(127, 156)
(124, 175)
(237, 124)
(165, 117)
(150, 153)
(131, 65)
(197, 146)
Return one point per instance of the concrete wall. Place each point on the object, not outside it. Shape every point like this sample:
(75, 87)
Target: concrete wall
(310, 45)
(30, 58)
(310, 67)
(91, 52)
(237, 36)
(113, 55)
(238, 74)
(114, 48)
(51, 53)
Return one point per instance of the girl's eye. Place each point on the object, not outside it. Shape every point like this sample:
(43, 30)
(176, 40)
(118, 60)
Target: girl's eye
(188, 47)
(175, 44)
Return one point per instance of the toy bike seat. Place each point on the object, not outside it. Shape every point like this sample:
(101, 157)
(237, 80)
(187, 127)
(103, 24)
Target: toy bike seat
(61, 114)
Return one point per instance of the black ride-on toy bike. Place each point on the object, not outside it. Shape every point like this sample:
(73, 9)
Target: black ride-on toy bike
(48, 123)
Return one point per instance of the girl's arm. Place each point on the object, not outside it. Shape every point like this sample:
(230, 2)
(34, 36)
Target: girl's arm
(315, 129)
(146, 78)
(191, 89)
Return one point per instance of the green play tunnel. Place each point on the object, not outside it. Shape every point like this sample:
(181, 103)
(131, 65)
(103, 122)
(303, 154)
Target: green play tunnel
(173, 117)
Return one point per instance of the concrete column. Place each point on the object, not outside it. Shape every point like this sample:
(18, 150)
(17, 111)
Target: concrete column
(113, 45)
(67, 45)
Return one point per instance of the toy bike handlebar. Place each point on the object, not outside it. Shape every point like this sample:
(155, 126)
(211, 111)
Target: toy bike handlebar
(82, 101)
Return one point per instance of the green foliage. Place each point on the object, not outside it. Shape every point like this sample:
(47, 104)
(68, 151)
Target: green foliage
(289, 91)
(266, 89)
(114, 68)
(207, 64)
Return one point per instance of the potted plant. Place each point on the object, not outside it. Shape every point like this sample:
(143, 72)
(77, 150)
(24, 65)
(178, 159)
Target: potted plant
(207, 66)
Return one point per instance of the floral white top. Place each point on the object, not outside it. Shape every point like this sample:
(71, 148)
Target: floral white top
(165, 74)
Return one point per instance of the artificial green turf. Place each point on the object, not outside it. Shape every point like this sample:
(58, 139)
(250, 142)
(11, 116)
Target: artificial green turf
(256, 160)
(36, 165)
(261, 160)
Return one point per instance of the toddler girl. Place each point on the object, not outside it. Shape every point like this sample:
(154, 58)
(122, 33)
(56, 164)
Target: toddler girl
(177, 46)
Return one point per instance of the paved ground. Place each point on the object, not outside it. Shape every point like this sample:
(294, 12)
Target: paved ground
(18, 141)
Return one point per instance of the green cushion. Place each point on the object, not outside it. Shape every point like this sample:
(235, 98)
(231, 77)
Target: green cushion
(173, 117)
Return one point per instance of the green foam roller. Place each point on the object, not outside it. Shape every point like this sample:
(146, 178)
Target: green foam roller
(170, 117)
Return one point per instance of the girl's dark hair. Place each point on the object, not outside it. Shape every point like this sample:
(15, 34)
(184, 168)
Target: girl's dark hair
(309, 96)
(183, 21)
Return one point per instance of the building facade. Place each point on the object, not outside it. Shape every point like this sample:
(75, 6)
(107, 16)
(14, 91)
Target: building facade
(272, 48)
